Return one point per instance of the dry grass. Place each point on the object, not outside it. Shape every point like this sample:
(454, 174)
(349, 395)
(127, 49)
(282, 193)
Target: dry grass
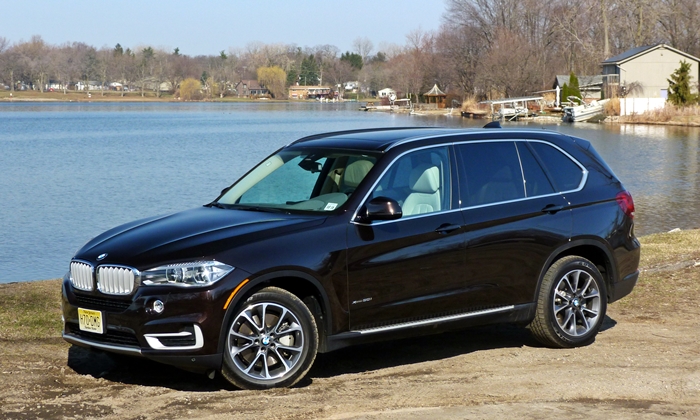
(612, 107)
(689, 115)
(470, 104)
(670, 277)
(30, 310)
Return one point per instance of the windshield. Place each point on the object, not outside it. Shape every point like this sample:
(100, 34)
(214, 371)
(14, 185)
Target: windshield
(300, 180)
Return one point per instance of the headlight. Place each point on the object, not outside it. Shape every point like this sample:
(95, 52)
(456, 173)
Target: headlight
(200, 273)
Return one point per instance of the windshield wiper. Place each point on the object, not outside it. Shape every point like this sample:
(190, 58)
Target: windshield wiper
(258, 208)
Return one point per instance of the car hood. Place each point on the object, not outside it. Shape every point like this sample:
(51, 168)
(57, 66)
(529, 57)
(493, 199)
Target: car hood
(204, 232)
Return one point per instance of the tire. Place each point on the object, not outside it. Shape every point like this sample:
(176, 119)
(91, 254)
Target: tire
(276, 353)
(571, 304)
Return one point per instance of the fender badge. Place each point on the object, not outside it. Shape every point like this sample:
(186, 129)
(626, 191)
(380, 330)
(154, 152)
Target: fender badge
(101, 257)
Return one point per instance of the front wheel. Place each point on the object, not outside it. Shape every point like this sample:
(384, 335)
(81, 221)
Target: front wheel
(571, 304)
(271, 342)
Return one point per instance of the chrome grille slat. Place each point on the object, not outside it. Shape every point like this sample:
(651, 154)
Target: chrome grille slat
(81, 276)
(116, 280)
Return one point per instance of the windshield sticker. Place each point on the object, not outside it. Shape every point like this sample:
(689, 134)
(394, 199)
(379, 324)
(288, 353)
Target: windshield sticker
(331, 206)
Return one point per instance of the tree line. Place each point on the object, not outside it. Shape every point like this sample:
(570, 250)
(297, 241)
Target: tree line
(483, 48)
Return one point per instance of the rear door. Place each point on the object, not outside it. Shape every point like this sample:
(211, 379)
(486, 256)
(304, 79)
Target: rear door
(514, 218)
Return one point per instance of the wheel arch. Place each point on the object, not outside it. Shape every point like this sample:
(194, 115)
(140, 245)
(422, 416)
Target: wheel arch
(303, 285)
(593, 250)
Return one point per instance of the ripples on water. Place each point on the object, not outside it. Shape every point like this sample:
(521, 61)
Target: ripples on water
(71, 171)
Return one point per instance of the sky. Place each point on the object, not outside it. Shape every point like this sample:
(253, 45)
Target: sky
(206, 27)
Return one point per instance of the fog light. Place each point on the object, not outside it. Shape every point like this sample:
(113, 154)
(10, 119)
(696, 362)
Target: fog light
(158, 306)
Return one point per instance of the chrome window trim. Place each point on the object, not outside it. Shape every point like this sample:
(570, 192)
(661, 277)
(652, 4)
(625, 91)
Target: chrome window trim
(584, 178)
(413, 217)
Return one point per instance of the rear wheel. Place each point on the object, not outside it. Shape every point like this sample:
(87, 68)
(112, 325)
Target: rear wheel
(271, 342)
(571, 305)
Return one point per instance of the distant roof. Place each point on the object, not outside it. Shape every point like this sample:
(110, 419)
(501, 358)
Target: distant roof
(583, 81)
(250, 84)
(635, 52)
(435, 91)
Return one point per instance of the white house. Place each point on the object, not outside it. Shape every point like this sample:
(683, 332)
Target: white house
(385, 93)
(648, 68)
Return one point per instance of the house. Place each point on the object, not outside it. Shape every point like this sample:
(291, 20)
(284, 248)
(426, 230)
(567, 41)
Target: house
(386, 93)
(250, 89)
(309, 92)
(590, 86)
(643, 72)
(89, 85)
(351, 86)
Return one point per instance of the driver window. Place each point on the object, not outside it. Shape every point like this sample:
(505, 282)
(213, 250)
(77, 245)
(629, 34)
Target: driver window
(418, 181)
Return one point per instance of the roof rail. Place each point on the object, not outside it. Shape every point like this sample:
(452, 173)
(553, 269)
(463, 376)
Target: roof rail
(360, 130)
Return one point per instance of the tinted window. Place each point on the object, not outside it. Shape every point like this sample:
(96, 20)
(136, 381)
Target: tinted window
(492, 173)
(564, 173)
(419, 181)
(536, 182)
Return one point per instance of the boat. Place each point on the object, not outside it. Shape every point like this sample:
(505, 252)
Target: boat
(582, 112)
(511, 111)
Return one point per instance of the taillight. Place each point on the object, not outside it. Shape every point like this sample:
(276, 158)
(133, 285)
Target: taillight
(624, 199)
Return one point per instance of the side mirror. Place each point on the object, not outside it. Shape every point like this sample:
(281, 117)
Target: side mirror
(380, 208)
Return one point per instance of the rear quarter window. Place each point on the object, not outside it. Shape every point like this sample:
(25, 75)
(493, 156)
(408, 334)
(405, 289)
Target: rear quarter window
(564, 173)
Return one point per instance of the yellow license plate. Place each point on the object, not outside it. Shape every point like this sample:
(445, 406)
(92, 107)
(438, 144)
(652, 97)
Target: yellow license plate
(90, 321)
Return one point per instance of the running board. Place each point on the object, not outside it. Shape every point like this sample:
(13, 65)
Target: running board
(435, 320)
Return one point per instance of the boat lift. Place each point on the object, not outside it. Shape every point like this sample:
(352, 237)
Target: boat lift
(512, 108)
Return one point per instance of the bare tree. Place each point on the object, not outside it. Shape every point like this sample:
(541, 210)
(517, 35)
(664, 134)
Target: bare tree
(363, 46)
(34, 57)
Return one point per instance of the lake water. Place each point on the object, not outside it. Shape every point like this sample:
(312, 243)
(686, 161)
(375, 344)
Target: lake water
(70, 171)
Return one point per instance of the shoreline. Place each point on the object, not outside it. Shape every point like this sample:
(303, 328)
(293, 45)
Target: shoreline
(74, 97)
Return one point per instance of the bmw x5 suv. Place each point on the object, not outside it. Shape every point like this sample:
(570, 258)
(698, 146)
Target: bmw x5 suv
(354, 236)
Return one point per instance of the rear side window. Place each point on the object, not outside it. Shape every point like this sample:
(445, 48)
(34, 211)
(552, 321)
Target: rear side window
(536, 181)
(563, 172)
(492, 173)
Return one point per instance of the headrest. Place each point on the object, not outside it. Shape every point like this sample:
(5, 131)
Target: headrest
(424, 179)
(356, 172)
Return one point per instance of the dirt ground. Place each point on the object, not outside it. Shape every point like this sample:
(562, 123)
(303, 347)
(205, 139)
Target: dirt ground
(645, 363)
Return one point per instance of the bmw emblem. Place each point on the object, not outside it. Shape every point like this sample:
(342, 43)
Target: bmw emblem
(101, 257)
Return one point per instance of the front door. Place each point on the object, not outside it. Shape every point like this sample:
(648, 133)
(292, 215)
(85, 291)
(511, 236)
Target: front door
(409, 269)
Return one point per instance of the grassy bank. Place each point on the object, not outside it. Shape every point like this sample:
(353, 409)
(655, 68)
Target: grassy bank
(670, 277)
(668, 115)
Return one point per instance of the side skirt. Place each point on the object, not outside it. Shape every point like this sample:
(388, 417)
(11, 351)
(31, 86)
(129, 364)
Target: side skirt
(504, 314)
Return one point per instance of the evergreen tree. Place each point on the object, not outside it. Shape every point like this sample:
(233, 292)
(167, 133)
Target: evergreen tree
(573, 85)
(309, 71)
(565, 92)
(355, 60)
(679, 86)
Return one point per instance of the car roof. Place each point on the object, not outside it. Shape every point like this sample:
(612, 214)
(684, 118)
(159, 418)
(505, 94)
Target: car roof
(378, 139)
(383, 139)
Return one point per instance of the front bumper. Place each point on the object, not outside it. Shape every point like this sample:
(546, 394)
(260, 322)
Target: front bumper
(186, 333)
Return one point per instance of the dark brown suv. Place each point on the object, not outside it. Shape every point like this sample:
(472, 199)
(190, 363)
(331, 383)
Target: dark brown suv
(363, 235)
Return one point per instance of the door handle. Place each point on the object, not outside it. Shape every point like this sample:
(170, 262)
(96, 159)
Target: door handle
(552, 208)
(447, 228)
